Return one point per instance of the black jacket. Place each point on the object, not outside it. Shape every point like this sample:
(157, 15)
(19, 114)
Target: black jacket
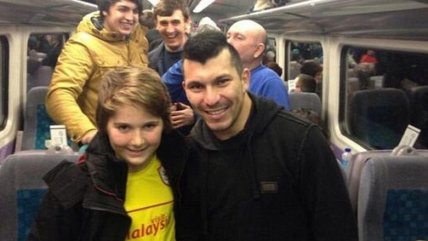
(161, 60)
(276, 180)
(85, 200)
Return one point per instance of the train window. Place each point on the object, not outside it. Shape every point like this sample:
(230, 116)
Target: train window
(310, 55)
(382, 92)
(43, 51)
(4, 79)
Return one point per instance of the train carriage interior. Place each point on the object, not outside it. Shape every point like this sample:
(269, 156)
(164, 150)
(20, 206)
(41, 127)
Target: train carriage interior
(372, 96)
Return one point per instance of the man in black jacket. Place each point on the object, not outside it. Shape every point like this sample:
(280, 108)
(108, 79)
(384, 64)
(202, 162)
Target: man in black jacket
(173, 24)
(262, 173)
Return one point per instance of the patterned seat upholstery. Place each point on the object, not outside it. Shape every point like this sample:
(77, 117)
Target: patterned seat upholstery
(22, 189)
(356, 165)
(393, 198)
(37, 121)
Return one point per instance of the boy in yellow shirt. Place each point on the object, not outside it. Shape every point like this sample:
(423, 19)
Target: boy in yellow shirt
(123, 187)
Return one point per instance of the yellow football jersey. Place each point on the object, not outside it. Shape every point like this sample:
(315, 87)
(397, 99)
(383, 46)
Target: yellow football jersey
(149, 203)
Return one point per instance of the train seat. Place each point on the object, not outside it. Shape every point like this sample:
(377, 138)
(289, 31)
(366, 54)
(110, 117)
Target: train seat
(294, 69)
(30, 82)
(393, 198)
(33, 65)
(305, 100)
(379, 117)
(353, 85)
(36, 120)
(43, 75)
(356, 164)
(351, 73)
(22, 189)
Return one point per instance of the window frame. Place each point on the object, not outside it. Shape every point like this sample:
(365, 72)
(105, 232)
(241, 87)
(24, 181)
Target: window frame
(4, 75)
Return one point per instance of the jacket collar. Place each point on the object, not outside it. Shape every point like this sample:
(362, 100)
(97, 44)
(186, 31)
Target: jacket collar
(93, 24)
(109, 174)
(262, 113)
(99, 179)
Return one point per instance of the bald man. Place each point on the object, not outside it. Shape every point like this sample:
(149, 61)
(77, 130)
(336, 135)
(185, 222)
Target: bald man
(249, 39)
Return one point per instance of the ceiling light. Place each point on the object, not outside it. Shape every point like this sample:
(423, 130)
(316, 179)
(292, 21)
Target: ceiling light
(202, 5)
(154, 2)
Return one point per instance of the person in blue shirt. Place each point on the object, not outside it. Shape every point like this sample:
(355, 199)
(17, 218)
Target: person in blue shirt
(249, 39)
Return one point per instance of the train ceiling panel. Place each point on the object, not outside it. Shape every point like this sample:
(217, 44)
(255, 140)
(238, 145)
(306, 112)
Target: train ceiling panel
(43, 12)
(389, 18)
(217, 10)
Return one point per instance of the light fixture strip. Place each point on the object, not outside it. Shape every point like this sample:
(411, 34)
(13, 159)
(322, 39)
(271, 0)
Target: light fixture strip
(202, 5)
(154, 2)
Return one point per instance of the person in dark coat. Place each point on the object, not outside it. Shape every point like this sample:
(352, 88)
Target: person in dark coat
(263, 174)
(173, 24)
(124, 186)
(153, 36)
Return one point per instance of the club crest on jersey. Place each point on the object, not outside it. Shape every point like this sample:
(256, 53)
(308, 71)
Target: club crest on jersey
(163, 176)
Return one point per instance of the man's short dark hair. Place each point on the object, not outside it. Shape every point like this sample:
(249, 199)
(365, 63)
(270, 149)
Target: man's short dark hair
(208, 44)
(307, 83)
(310, 68)
(167, 8)
(104, 5)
